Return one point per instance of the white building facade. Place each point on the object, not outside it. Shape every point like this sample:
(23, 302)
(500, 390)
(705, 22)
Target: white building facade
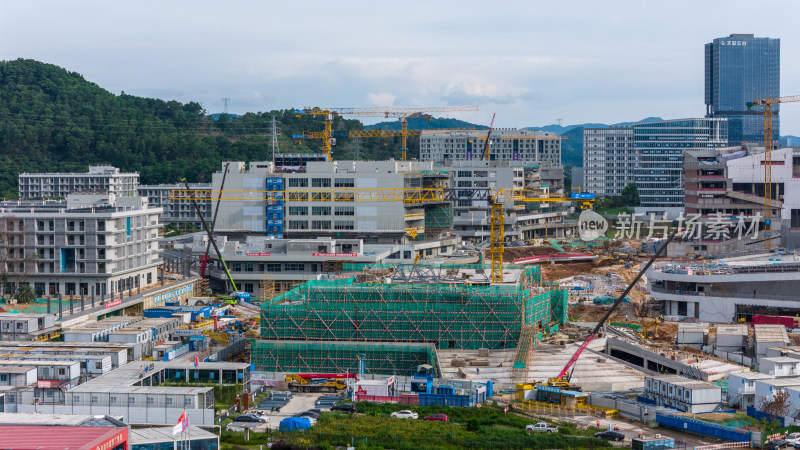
(99, 179)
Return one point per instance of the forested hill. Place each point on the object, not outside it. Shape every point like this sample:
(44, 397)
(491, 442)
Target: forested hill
(54, 120)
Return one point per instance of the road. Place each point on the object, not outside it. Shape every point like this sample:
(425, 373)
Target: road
(299, 403)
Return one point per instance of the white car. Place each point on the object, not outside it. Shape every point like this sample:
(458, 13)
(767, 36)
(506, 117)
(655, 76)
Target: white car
(793, 438)
(405, 414)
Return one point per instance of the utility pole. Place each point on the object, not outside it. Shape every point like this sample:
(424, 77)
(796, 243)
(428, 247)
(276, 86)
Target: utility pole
(225, 101)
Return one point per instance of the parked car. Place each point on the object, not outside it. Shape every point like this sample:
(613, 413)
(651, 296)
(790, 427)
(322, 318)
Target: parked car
(778, 444)
(310, 414)
(610, 435)
(541, 427)
(311, 419)
(793, 438)
(439, 417)
(251, 418)
(344, 407)
(405, 414)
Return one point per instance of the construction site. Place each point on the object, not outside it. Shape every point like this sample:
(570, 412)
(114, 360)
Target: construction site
(428, 309)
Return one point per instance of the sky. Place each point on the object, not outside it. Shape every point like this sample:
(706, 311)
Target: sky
(532, 63)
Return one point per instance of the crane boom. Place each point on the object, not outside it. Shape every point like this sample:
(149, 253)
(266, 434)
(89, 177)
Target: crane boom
(611, 310)
(486, 144)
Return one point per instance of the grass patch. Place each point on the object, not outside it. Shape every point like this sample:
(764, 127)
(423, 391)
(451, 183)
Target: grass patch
(485, 427)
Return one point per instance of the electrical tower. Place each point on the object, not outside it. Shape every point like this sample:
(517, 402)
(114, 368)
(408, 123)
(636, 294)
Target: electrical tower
(225, 101)
(274, 135)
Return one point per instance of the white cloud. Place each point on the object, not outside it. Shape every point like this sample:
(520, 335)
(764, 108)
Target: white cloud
(382, 99)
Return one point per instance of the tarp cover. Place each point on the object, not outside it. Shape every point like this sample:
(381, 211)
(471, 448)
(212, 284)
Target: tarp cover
(295, 423)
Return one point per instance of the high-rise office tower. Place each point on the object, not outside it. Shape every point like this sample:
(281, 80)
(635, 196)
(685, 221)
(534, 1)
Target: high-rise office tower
(739, 69)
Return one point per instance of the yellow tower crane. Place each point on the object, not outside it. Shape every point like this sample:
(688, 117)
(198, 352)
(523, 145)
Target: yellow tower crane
(767, 103)
(406, 195)
(386, 112)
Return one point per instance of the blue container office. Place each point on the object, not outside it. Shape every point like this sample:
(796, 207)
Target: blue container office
(165, 312)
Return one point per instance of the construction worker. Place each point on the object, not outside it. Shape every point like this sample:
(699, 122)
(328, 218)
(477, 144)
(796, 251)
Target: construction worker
(598, 423)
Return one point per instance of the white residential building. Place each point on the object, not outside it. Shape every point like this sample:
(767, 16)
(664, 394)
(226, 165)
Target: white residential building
(505, 144)
(91, 244)
(98, 180)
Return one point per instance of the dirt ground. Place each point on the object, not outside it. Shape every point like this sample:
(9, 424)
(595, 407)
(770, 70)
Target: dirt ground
(512, 253)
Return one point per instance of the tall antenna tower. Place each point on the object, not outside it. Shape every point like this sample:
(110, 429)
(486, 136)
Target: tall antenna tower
(274, 135)
(225, 101)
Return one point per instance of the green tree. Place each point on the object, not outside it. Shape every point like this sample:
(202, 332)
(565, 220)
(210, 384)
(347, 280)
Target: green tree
(630, 195)
(25, 294)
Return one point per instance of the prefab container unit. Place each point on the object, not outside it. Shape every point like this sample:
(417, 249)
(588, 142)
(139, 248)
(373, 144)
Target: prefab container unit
(68, 372)
(384, 387)
(183, 317)
(117, 351)
(98, 331)
(18, 326)
(731, 338)
(21, 375)
(683, 394)
(742, 388)
(691, 335)
(767, 336)
(89, 364)
(765, 389)
(159, 351)
(780, 366)
(792, 351)
(655, 443)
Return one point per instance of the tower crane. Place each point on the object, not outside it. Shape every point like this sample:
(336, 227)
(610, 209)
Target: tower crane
(386, 112)
(768, 142)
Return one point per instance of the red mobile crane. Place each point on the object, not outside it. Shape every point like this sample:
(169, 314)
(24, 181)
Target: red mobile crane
(559, 380)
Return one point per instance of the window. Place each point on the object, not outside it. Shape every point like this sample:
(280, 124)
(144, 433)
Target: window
(320, 182)
(320, 224)
(248, 287)
(298, 210)
(76, 399)
(298, 224)
(320, 210)
(273, 267)
(95, 399)
(150, 400)
(343, 225)
(98, 365)
(344, 182)
(168, 400)
(3, 377)
(112, 399)
(131, 400)
(248, 267)
(295, 266)
(344, 211)
(298, 182)
(236, 267)
(62, 371)
(464, 173)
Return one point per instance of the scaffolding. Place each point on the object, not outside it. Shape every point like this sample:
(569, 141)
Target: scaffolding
(342, 357)
(446, 315)
(438, 220)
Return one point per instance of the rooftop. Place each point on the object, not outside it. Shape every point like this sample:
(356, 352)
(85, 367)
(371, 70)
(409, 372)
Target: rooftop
(58, 419)
(164, 434)
(58, 437)
(770, 333)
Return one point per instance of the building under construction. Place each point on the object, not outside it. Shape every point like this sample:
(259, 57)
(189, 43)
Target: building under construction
(445, 313)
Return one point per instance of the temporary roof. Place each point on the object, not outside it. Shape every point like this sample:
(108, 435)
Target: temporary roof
(18, 437)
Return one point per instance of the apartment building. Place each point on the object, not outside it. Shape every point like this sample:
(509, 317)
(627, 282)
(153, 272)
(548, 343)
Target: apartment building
(505, 144)
(99, 179)
(609, 160)
(178, 212)
(92, 244)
